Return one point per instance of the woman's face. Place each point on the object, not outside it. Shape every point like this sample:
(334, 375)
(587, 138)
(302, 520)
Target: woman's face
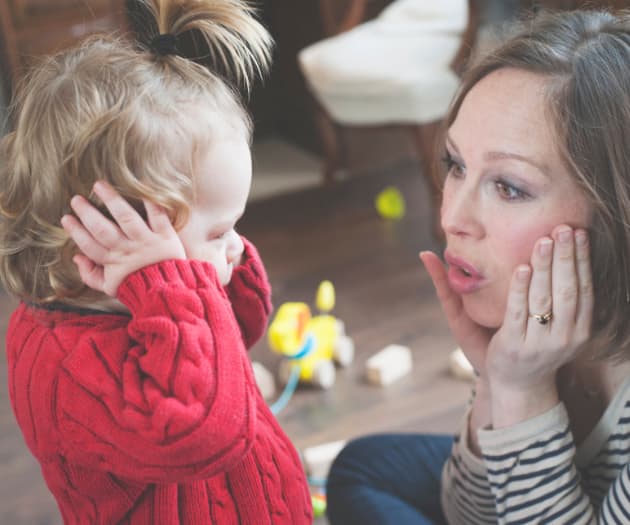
(506, 187)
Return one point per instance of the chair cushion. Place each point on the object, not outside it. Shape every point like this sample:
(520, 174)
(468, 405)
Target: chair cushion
(395, 68)
(445, 16)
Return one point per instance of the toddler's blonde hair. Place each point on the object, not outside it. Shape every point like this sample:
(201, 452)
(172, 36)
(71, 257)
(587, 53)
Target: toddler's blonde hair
(115, 109)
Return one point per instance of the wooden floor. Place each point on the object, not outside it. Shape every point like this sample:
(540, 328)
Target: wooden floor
(383, 295)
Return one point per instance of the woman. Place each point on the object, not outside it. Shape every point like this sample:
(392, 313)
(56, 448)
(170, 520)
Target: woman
(536, 215)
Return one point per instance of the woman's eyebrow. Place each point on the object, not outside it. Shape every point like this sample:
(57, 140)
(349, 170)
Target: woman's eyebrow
(503, 155)
(451, 143)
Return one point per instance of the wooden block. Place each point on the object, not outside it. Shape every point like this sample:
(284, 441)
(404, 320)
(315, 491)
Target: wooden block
(317, 459)
(388, 365)
(460, 366)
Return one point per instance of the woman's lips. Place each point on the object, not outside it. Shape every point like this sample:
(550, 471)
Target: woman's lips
(463, 277)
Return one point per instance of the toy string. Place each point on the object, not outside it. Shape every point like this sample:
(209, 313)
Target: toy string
(288, 391)
(317, 482)
(289, 388)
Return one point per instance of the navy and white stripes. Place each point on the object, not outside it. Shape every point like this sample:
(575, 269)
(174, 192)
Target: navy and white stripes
(532, 472)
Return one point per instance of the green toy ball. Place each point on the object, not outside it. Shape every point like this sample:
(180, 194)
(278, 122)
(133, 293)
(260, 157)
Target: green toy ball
(390, 203)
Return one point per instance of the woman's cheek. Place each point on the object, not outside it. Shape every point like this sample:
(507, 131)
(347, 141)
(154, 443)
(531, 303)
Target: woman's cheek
(518, 248)
(521, 244)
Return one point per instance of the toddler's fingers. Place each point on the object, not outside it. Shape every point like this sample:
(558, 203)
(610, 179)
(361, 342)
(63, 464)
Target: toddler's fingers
(83, 239)
(93, 221)
(157, 217)
(91, 273)
(127, 218)
(584, 316)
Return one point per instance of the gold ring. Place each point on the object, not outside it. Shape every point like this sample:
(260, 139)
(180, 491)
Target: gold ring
(542, 318)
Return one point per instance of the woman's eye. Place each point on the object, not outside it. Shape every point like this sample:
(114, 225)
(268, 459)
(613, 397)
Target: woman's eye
(452, 167)
(509, 192)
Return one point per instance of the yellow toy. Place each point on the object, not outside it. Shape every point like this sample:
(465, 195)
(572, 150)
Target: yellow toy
(311, 343)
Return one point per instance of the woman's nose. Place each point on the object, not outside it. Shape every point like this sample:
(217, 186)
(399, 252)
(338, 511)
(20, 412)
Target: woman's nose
(459, 213)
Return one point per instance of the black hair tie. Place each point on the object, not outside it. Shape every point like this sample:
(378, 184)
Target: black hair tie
(165, 44)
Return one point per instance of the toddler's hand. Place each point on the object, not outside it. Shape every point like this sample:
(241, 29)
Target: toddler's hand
(113, 250)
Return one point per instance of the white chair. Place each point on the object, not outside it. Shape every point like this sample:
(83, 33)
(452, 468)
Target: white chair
(400, 68)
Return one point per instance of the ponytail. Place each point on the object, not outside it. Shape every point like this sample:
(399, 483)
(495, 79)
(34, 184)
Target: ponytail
(222, 35)
(129, 111)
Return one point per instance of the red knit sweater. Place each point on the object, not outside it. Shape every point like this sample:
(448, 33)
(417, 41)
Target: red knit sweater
(155, 418)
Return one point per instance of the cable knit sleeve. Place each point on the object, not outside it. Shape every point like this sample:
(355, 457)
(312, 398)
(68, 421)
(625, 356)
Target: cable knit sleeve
(250, 294)
(168, 397)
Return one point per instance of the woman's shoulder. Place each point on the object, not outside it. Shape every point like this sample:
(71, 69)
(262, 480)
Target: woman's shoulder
(612, 431)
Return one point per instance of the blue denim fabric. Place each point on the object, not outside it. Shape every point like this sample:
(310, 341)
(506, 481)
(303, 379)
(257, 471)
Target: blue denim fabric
(388, 479)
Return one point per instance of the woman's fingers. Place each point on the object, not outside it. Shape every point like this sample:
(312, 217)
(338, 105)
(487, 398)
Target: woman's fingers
(561, 284)
(564, 282)
(517, 307)
(584, 315)
(470, 336)
(540, 294)
(84, 239)
(451, 302)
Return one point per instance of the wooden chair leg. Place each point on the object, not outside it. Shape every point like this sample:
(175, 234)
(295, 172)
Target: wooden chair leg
(426, 137)
(331, 139)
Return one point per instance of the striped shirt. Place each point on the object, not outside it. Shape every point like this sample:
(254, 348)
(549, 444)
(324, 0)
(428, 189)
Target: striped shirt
(532, 472)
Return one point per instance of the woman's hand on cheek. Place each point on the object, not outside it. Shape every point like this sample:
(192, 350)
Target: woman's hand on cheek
(471, 337)
(526, 352)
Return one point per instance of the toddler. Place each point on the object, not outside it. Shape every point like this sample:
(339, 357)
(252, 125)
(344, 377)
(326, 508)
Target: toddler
(122, 183)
